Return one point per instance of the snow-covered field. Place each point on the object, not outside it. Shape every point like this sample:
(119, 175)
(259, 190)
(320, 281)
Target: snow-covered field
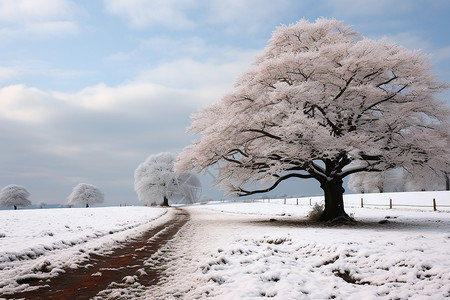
(249, 250)
(268, 250)
(63, 237)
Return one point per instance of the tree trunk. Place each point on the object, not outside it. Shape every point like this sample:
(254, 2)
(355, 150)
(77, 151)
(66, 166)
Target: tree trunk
(447, 181)
(165, 202)
(334, 202)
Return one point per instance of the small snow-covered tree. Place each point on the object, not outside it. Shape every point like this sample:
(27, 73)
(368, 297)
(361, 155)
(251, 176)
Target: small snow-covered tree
(153, 177)
(320, 102)
(85, 194)
(14, 195)
(155, 182)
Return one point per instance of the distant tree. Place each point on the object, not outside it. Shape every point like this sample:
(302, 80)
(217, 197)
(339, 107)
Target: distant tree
(85, 194)
(42, 204)
(186, 189)
(356, 182)
(155, 182)
(369, 182)
(321, 102)
(14, 195)
(205, 199)
(400, 180)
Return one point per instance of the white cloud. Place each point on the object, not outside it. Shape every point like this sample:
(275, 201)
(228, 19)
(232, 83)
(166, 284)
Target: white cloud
(411, 40)
(249, 15)
(362, 8)
(102, 97)
(181, 47)
(416, 41)
(37, 16)
(103, 132)
(7, 73)
(58, 28)
(24, 104)
(442, 54)
(20, 10)
(190, 74)
(231, 15)
(142, 13)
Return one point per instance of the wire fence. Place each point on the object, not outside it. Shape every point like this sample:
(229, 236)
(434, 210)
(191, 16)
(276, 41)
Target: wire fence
(439, 200)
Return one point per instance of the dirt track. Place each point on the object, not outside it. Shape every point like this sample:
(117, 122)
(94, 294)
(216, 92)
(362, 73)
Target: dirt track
(100, 271)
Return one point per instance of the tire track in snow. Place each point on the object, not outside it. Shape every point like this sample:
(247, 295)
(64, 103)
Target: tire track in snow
(124, 266)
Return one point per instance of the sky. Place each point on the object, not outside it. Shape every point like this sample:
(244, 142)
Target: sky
(89, 89)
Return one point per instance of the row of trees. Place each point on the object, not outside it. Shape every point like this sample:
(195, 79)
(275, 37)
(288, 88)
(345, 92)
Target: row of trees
(85, 194)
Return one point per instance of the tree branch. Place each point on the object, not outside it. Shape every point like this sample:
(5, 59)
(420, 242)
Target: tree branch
(263, 132)
(242, 192)
(359, 169)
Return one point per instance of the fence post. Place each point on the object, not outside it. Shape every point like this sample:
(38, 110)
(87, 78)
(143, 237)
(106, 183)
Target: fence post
(362, 203)
(310, 202)
(297, 201)
(284, 200)
(390, 203)
(434, 204)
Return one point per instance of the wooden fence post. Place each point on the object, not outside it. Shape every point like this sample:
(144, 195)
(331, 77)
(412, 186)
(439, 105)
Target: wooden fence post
(390, 203)
(362, 203)
(434, 204)
(310, 202)
(297, 201)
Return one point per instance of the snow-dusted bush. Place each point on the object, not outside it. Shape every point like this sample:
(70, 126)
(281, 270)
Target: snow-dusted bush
(14, 195)
(156, 183)
(85, 194)
(316, 211)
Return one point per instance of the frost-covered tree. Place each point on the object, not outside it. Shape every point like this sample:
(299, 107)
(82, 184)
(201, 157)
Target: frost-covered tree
(85, 194)
(155, 182)
(320, 102)
(356, 182)
(14, 195)
(386, 181)
(435, 175)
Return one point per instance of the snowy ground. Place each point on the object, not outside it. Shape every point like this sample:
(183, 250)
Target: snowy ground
(268, 250)
(59, 238)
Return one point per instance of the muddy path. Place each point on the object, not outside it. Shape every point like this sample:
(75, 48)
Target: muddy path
(124, 264)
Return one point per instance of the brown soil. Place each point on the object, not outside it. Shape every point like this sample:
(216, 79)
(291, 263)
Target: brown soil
(124, 261)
